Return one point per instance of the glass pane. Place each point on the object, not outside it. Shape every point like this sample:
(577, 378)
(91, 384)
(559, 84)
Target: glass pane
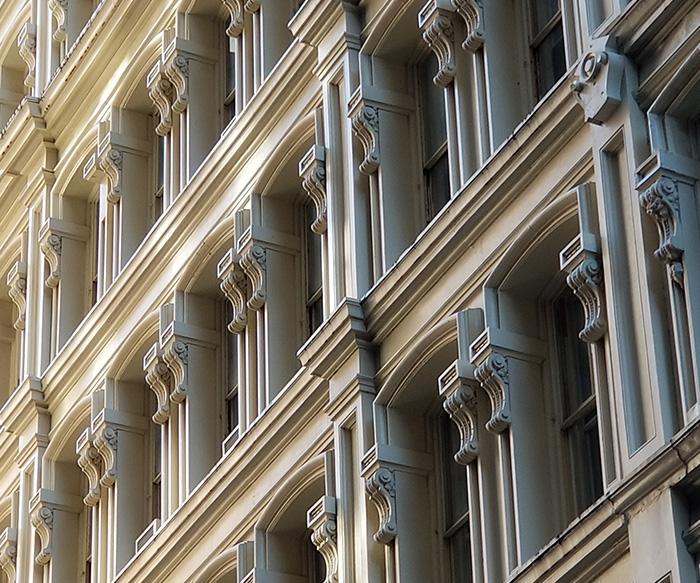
(232, 412)
(542, 11)
(437, 183)
(455, 477)
(550, 60)
(313, 253)
(315, 314)
(460, 556)
(230, 68)
(432, 109)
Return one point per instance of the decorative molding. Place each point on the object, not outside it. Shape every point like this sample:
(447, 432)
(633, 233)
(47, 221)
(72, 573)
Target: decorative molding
(59, 9)
(597, 83)
(586, 280)
(26, 43)
(366, 127)
(235, 10)
(381, 490)
(661, 202)
(42, 521)
(175, 358)
(51, 245)
(439, 34)
(178, 73)
(160, 91)
(460, 403)
(492, 373)
(106, 445)
(234, 285)
(17, 290)
(472, 12)
(90, 463)
(111, 164)
(312, 171)
(158, 378)
(254, 263)
(321, 519)
(8, 553)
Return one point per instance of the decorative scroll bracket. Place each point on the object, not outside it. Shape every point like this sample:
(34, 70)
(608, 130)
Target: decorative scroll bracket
(235, 9)
(321, 519)
(160, 91)
(439, 34)
(26, 43)
(106, 441)
(312, 171)
(17, 290)
(42, 520)
(178, 73)
(158, 378)
(174, 354)
(111, 164)
(458, 388)
(365, 124)
(381, 490)
(472, 12)
(254, 264)
(492, 373)
(8, 553)
(234, 284)
(90, 463)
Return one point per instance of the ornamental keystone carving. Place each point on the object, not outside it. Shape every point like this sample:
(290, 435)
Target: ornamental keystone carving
(8, 553)
(106, 445)
(17, 290)
(178, 73)
(597, 83)
(59, 9)
(90, 463)
(51, 248)
(461, 405)
(26, 43)
(254, 263)
(439, 34)
(321, 519)
(492, 373)
(234, 285)
(42, 521)
(111, 164)
(160, 91)
(312, 171)
(586, 281)
(381, 490)
(175, 358)
(661, 202)
(366, 127)
(235, 10)
(472, 12)
(158, 378)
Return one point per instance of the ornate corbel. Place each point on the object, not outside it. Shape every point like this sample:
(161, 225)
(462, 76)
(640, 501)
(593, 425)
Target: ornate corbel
(321, 519)
(661, 201)
(17, 290)
(235, 10)
(158, 378)
(312, 171)
(366, 126)
(492, 373)
(178, 73)
(472, 12)
(160, 91)
(460, 403)
(234, 285)
(42, 521)
(51, 245)
(111, 164)
(106, 445)
(252, 6)
(90, 463)
(175, 358)
(26, 43)
(254, 263)
(586, 280)
(439, 34)
(597, 83)
(8, 553)
(381, 490)
(59, 9)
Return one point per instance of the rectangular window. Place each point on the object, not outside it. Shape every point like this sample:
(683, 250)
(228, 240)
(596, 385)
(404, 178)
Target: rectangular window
(229, 79)
(230, 343)
(546, 44)
(314, 272)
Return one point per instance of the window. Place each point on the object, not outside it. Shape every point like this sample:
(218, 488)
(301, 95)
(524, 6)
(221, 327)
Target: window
(230, 344)
(314, 274)
(546, 44)
(229, 79)
(155, 471)
(159, 175)
(580, 421)
(85, 530)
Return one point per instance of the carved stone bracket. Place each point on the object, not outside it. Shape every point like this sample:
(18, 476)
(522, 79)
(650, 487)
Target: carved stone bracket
(234, 284)
(178, 73)
(597, 83)
(254, 264)
(158, 378)
(252, 6)
(586, 280)
(381, 490)
(42, 521)
(366, 126)
(661, 202)
(26, 43)
(111, 164)
(321, 519)
(235, 10)
(160, 91)
(492, 373)
(175, 357)
(105, 441)
(8, 553)
(472, 12)
(312, 170)
(51, 245)
(439, 34)
(459, 392)
(17, 290)
(90, 463)
(59, 9)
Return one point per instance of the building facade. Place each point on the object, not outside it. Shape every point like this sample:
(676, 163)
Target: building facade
(384, 291)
